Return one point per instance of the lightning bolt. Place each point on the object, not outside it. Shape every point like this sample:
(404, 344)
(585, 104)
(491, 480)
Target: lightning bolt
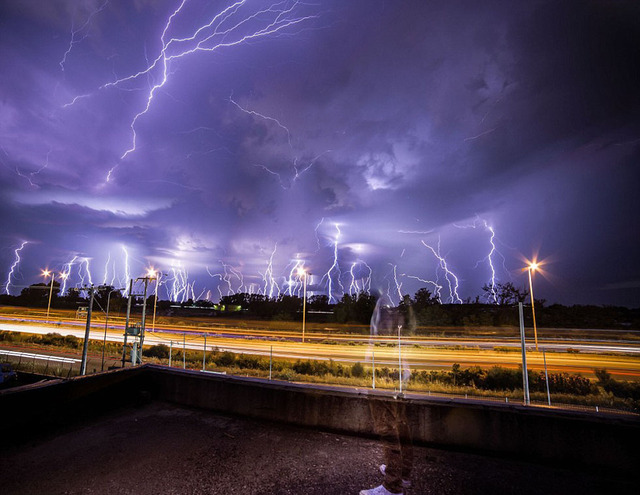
(87, 273)
(489, 258)
(106, 269)
(365, 286)
(334, 267)
(395, 280)
(293, 283)
(127, 270)
(269, 119)
(316, 232)
(32, 174)
(226, 29)
(14, 267)
(66, 273)
(81, 31)
(353, 286)
(269, 281)
(449, 275)
(436, 285)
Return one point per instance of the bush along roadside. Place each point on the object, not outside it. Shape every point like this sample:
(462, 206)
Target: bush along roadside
(564, 387)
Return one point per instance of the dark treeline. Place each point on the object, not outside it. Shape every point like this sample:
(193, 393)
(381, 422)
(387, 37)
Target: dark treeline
(426, 307)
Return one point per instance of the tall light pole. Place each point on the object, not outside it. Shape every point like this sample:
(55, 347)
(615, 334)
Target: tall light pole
(106, 321)
(45, 274)
(152, 273)
(303, 274)
(87, 331)
(531, 268)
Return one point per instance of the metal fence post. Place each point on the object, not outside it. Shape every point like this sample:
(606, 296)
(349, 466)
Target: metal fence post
(270, 361)
(373, 369)
(184, 351)
(546, 376)
(170, 351)
(204, 353)
(525, 373)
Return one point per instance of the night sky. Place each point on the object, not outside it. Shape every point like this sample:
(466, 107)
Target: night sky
(361, 138)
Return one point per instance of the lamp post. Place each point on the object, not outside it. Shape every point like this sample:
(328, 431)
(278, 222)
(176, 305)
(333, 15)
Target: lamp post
(45, 274)
(532, 267)
(152, 273)
(303, 274)
(106, 320)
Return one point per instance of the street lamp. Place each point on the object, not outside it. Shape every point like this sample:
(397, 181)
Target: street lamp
(531, 268)
(106, 320)
(302, 273)
(151, 273)
(45, 274)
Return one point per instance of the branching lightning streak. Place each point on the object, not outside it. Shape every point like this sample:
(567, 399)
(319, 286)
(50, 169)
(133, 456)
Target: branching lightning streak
(210, 37)
(436, 285)
(82, 30)
(335, 266)
(257, 114)
(367, 283)
(106, 269)
(354, 287)
(453, 287)
(489, 257)
(31, 174)
(269, 281)
(66, 274)
(214, 275)
(311, 164)
(127, 271)
(490, 260)
(15, 265)
(316, 232)
(272, 173)
(293, 282)
(87, 272)
(395, 280)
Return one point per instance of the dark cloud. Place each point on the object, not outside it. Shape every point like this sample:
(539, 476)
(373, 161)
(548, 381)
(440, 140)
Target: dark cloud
(383, 126)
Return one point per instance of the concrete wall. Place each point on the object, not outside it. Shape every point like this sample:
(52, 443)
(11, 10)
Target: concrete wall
(585, 440)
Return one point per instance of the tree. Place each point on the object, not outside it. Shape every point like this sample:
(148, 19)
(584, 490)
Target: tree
(505, 294)
(424, 298)
(38, 294)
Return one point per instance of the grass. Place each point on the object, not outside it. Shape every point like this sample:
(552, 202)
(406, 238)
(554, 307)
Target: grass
(487, 383)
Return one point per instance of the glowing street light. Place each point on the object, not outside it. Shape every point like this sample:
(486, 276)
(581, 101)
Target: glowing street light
(45, 274)
(302, 273)
(531, 268)
(154, 275)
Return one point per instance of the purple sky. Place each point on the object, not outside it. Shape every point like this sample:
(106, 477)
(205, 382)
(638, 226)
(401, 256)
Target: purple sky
(400, 125)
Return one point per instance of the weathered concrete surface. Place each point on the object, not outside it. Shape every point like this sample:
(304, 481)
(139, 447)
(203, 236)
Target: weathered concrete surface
(579, 439)
(602, 443)
(162, 448)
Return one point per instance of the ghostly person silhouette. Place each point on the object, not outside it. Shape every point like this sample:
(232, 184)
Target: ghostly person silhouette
(389, 414)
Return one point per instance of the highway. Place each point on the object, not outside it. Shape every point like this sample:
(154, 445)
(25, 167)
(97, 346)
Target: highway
(620, 358)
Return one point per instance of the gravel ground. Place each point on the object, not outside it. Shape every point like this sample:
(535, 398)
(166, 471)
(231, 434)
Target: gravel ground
(160, 448)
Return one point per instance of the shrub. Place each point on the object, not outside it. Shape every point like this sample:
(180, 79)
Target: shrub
(357, 370)
(226, 359)
(160, 351)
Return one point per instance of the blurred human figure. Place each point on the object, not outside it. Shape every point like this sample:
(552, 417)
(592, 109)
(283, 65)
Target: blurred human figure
(390, 414)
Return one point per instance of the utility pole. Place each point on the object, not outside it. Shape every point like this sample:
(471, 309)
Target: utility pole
(126, 324)
(144, 315)
(85, 347)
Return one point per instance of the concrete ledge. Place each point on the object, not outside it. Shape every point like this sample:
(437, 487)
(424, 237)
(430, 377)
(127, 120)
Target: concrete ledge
(569, 438)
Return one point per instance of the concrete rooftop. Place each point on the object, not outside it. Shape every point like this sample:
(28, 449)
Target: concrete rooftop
(162, 448)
